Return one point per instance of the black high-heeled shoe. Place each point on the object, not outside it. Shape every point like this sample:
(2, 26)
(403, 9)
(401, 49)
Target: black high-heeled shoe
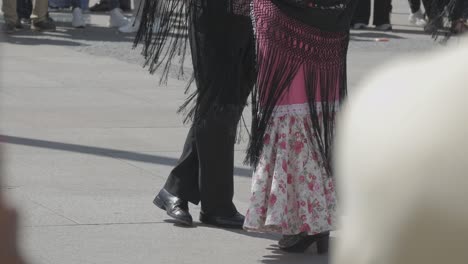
(301, 242)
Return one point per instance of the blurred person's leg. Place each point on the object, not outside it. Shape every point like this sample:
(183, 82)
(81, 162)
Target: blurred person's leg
(40, 9)
(78, 20)
(40, 21)
(116, 18)
(427, 6)
(460, 17)
(9, 11)
(125, 5)
(362, 15)
(135, 21)
(415, 5)
(24, 9)
(382, 10)
(417, 16)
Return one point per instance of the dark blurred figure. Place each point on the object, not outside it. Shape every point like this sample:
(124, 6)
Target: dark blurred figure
(382, 10)
(417, 16)
(9, 252)
(24, 9)
(104, 5)
(448, 17)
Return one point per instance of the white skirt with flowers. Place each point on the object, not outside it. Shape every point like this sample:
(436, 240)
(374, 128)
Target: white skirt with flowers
(291, 192)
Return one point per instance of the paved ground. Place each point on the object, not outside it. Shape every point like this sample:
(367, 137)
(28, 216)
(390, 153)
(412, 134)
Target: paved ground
(90, 138)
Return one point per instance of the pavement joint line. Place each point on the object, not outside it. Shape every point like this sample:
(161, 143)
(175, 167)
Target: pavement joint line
(52, 211)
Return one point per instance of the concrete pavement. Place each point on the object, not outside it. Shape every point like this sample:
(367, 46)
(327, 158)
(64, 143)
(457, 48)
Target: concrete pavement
(90, 138)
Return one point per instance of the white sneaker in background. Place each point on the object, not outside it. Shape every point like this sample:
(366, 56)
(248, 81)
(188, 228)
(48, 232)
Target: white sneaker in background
(117, 19)
(131, 27)
(417, 19)
(78, 19)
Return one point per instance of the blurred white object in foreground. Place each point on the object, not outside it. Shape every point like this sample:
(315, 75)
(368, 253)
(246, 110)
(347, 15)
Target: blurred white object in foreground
(402, 164)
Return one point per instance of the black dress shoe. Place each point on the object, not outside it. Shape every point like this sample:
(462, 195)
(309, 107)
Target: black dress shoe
(175, 207)
(301, 242)
(235, 221)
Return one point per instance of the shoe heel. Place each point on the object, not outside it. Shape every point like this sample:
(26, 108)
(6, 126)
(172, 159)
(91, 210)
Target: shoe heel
(159, 203)
(323, 245)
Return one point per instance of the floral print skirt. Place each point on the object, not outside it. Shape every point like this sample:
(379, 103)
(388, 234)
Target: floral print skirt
(291, 192)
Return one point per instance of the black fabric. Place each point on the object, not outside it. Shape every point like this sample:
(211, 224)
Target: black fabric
(446, 12)
(223, 58)
(332, 19)
(224, 64)
(205, 169)
(24, 8)
(415, 5)
(382, 10)
(461, 10)
(219, 31)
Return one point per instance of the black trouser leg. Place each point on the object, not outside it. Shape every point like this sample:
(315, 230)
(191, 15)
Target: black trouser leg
(427, 7)
(415, 5)
(183, 179)
(382, 10)
(215, 144)
(465, 10)
(205, 170)
(362, 13)
(461, 10)
(24, 8)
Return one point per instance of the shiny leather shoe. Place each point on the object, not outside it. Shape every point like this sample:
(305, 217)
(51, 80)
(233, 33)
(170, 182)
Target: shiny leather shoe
(301, 242)
(235, 221)
(174, 207)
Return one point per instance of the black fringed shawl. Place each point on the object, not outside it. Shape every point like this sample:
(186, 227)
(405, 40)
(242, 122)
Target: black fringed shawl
(443, 14)
(222, 48)
(217, 30)
(310, 37)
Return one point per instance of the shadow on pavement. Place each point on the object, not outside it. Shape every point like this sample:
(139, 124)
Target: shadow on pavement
(66, 35)
(373, 35)
(276, 255)
(104, 152)
(410, 31)
(309, 257)
(273, 237)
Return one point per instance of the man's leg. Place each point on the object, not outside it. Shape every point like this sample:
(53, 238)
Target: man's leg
(215, 143)
(181, 185)
(362, 13)
(40, 9)
(216, 134)
(427, 7)
(382, 10)
(9, 11)
(116, 18)
(40, 20)
(415, 5)
(183, 179)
